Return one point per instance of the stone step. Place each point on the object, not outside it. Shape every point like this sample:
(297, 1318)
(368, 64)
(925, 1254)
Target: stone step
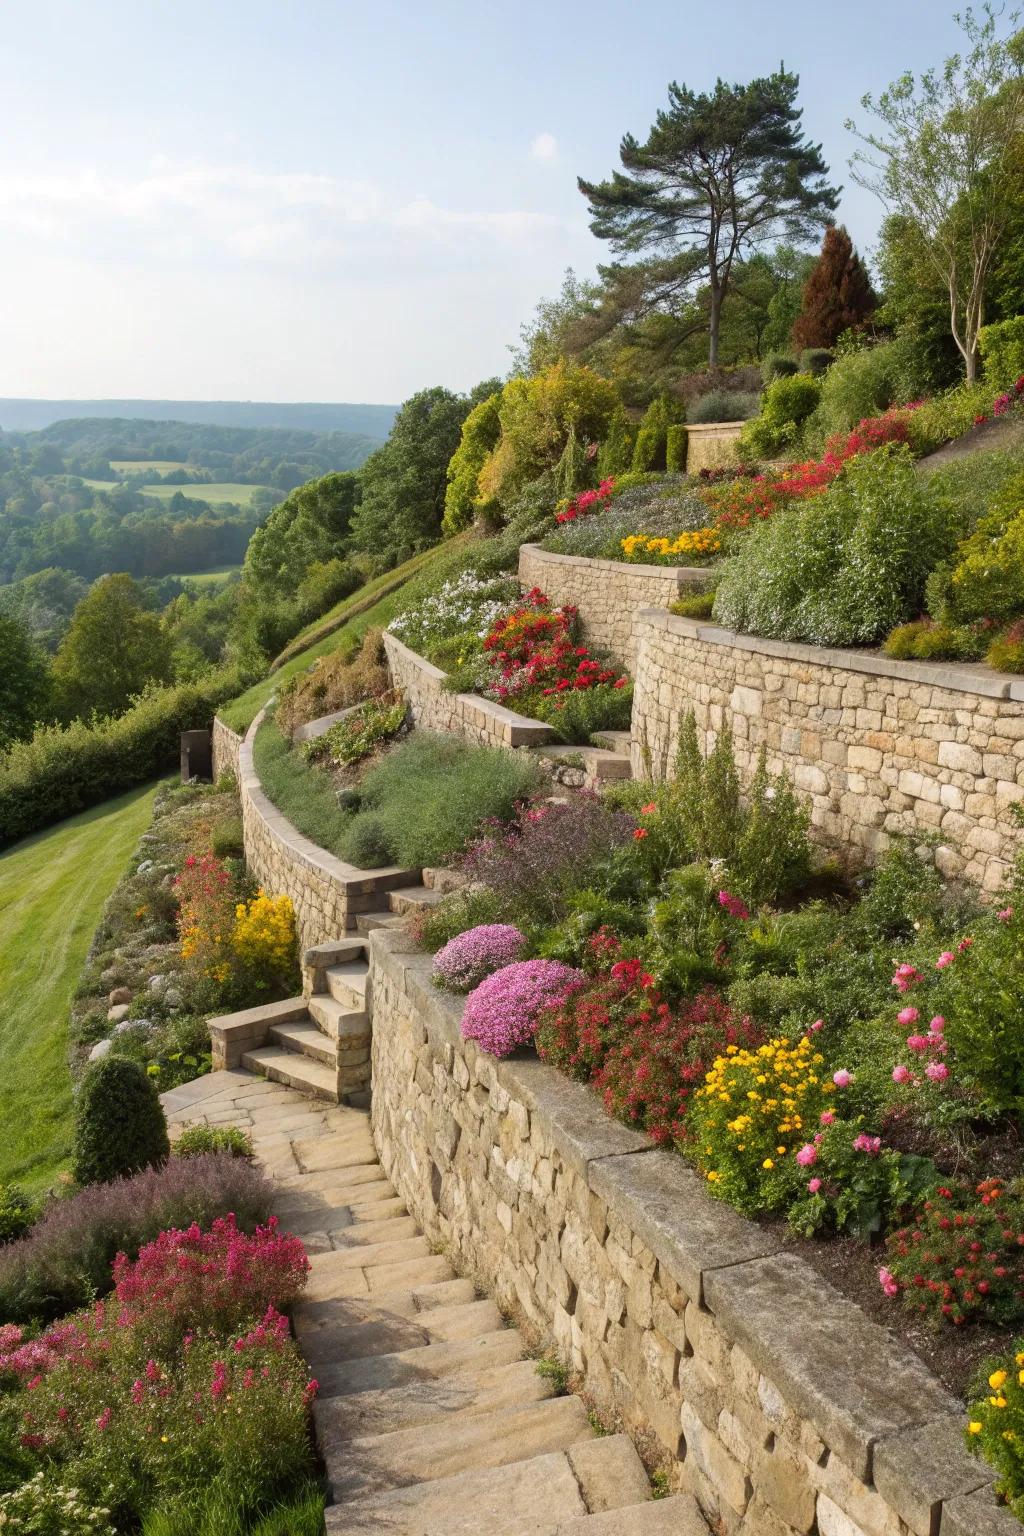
(677, 1516)
(305, 1040)
(535, 1495)
(404, 1274)
(366, 922)
(413, 899)
(382, 1231)
(298, 1072)
(337, 1150)
(609, 1472)
(444, 880)
(346, 983)
(313, 1316)
(390, 1333)
(372, 1255)
(442, 1449)
(614, 741)
(341, 1021)
(378, 1410)
(598, 764)
(425, 1362)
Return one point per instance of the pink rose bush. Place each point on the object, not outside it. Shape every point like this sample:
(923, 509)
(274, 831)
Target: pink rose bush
(466, 960)
(502, 1012)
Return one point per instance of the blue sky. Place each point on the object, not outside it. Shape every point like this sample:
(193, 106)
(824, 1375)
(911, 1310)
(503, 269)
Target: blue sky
(307, 200)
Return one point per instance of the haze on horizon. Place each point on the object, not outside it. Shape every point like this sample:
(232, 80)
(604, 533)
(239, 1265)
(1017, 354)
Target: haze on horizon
(338, 202)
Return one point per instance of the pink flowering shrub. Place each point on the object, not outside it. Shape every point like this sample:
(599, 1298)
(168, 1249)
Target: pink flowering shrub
(211, 1279)
(467, 959)
(502, 1012)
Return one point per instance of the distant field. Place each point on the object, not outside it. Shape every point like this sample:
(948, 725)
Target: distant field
(207, 578)
(221, 490)
(155, 466)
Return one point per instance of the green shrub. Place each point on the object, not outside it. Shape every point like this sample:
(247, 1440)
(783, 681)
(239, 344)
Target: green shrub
(197, 1139)
(788, 402)
(42, 1506)
(480, 433)
(227, 840)
(697, 605)
(723, 405)
(432, 794)
(17, 1213)
(368, 843)
(816, 360)
(924, 640)
(1002, 352)
(987, 576)
(575, 716)
(778, 365)
(1006, 653)
(649, 451)
(119, 1122)
(858, 384)
(675, 450)
(616, 452)
(980, 999)
(365, 728)
(65, 769)
(947, 416)
(842, 568)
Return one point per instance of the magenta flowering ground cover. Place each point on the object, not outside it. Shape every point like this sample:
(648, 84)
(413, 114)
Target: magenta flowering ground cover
(502, 1012)
(471, 956)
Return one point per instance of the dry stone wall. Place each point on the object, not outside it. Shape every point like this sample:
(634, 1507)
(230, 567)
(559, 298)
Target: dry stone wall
(608, 593)
(775, 1400)
(327, 893)
(434, 708)
(879, 746)
(711, 444)
(226, 746)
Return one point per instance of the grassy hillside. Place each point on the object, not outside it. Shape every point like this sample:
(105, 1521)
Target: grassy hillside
(375, 604)
(52, 890)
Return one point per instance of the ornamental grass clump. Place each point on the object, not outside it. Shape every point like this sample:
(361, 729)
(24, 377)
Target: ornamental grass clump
(466, 960)
(502, 1012)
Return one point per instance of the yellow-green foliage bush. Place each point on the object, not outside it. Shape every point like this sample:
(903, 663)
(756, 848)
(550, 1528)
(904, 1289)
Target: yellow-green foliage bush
(675, 450)
(1002, 351)
(480, 433)
(987, 580)
(535, 417)
(946, 416)
(788, 402)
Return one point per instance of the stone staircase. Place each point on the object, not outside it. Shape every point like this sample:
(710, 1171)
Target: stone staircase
(432, 1419)
(590, 767)
(319, 1044)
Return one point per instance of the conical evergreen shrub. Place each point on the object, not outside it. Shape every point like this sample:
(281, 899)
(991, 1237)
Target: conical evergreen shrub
(120, 1126)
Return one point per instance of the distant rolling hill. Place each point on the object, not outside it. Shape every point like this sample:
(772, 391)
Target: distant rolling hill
(374, 421)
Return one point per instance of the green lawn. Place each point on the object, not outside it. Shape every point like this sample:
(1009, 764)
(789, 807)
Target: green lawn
(344, 625)
(52, 890)
(207, 578)
(220, 490)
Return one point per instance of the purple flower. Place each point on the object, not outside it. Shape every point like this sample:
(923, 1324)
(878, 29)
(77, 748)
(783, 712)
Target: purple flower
(502, 1012)
(465, 960)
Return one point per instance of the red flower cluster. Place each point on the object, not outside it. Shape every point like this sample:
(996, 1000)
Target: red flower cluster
(534, 649)
(645, 1058)
(586, 502)
(739, 503)
(1004, 402)
(964, 1256)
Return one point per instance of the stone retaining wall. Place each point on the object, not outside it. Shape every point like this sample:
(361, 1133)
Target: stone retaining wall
(711, 444)
(880, 746)
(226, 747)
(433, 708)
(608, 593)
(780, 1405)
(327, 893)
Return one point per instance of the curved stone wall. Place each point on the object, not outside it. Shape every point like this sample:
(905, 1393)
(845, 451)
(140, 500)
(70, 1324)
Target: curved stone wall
(879, 746)
(226, 746)
(608, 593)
(782, 1407)
(327, 893)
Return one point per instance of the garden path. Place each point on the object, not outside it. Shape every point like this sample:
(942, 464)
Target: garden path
(431, 1416)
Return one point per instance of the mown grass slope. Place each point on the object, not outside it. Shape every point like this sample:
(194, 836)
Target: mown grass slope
(52, 890)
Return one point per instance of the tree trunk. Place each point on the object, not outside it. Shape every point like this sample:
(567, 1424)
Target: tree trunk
(716, 320)
(971, 359)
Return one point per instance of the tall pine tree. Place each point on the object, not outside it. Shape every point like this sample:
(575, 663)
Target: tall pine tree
(837, 296)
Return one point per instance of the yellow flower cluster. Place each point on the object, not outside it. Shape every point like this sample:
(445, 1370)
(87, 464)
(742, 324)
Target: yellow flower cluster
(754, 1108)
(206, 950)
(264, 936)
(699, 543)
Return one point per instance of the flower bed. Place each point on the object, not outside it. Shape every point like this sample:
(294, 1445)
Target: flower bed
(842, 1058)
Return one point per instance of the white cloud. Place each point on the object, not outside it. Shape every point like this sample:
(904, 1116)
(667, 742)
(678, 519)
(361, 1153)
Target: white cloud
(544, 147)
(227, 213)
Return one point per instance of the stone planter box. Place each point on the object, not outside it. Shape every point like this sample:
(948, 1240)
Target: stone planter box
(779, 1404)
(711, 444)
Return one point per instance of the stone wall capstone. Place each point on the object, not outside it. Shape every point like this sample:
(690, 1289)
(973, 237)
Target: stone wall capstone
(880, 746)
(608, 593)
(780, 1405)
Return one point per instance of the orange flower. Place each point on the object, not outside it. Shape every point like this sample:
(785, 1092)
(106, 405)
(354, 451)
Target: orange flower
(640, 832)
(649, 809)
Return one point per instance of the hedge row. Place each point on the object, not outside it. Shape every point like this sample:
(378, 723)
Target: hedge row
(65, 769)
